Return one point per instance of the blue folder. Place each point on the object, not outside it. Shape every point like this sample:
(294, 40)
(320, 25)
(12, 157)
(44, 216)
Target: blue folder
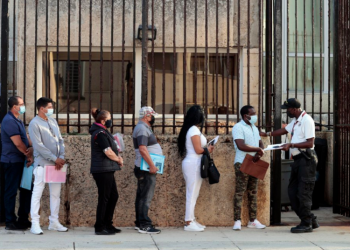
(27, 176)
(158, 161)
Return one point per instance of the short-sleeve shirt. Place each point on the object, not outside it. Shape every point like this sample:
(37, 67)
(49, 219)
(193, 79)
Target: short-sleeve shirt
(12, 126)
(304, 128)
(143, 135)
(250, 135)
(190, 152)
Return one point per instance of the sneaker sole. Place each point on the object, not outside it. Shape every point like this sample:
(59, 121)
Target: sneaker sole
(144, 232)
(37, 233)
(191, 230)
(236, 229)
(51, 229)
(256, 227)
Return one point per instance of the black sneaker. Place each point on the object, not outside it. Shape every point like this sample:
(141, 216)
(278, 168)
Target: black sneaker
(113, 229)
(149, 230)
(315, 223)
(105, 232)
(15, 226)
(301, 229)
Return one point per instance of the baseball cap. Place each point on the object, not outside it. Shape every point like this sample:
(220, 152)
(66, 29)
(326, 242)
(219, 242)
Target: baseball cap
(291, 103)
(147, 111)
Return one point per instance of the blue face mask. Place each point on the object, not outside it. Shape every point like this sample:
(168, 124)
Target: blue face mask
(49, 112)
(253, 119)
(22, 110)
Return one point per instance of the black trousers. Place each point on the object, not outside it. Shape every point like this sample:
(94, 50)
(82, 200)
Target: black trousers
(107, 200)
(13, 175)
(146, 184)
(301, 186)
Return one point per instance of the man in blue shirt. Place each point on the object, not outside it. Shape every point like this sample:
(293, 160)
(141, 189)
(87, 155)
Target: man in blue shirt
(16, 148)
(246, 140)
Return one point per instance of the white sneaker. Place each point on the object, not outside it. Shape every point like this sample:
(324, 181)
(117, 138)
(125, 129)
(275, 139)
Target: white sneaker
(238, 225)
(193, 227)
(35, 229)
(199, 225)
(56, 226)
(256, 224)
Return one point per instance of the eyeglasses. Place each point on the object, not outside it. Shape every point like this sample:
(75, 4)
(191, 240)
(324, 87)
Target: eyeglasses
(51, 130)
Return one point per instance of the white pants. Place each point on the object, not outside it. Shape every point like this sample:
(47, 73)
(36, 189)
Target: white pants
(191, 167)
(55, 193)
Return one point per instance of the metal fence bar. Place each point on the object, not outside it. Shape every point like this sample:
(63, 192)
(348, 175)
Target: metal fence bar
(184, 59)
(68, 67)
(123, 59)
(174, 69)
(260, 109)
(163, 59)
(296, 48)
(57, 55)
(79, 67)
(47, 84)
(239, 50)
(206, 65)
(248, 54)
(195, 53)
(90, 57)
(111, 64)
(153, 88)
(101, 54)
(36, 55)
(313, 59)
(14, 50)
(329, 63)
(304, 37)
(321, 66)
(217, 69)
(228, 66)
(134, 63)
(24, 57)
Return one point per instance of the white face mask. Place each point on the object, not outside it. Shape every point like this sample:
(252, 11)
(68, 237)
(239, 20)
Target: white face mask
(253, 119)
(49, 112)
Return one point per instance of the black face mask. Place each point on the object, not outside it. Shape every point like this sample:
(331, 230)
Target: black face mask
(153, 119)
(290, 115)
(108, 123)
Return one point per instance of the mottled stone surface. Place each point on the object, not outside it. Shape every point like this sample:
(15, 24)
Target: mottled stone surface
(215, 202)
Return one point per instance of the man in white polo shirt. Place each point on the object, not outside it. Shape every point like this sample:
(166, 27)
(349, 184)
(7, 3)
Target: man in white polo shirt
(303, 174)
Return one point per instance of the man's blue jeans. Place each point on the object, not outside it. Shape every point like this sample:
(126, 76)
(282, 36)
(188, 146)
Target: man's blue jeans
(13, 176)
(146, 183)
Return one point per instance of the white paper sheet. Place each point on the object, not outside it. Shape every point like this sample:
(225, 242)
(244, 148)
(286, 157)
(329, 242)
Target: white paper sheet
(215, 140)
(274, 147)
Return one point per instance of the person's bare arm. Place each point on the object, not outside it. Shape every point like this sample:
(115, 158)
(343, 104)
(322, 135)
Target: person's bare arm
(196, 141)
(16, 139)
(246, 148)
(281, 131)
(111, 155)
(308, 144)
(145, 155)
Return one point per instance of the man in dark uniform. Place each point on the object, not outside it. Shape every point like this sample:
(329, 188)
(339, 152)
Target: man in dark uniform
(303, 175)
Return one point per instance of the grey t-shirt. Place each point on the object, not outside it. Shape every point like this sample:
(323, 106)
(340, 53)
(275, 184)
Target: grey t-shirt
(143, 135)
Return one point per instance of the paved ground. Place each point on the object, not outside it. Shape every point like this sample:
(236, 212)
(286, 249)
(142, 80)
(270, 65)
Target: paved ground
(333, 234)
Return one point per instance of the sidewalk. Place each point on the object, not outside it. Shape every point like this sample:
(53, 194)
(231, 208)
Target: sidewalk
(334, 233)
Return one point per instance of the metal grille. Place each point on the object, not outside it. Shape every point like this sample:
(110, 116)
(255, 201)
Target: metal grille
(341, 115)
(86, 54)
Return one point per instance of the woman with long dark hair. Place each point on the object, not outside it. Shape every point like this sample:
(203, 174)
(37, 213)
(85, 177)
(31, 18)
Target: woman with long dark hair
(104, 162)
(191, 143)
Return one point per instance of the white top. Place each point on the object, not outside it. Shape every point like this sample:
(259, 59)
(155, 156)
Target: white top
(250, 135)
(189, 146)
(304, 128)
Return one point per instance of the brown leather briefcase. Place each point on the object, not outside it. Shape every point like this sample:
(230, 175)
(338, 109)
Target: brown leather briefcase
(257, 169)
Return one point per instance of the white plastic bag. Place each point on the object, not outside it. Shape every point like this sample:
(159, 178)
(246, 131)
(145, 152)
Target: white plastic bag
(120, 142)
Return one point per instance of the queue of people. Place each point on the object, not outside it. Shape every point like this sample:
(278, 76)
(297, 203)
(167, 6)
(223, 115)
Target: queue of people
(44, 145)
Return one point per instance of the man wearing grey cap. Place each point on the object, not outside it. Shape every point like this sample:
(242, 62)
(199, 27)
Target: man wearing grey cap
(303, 174)
(145, 142)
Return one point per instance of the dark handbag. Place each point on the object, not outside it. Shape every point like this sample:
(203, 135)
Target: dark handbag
(213, 172)
(205, 161)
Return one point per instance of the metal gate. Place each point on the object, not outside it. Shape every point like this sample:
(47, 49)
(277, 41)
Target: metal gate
(341, 107)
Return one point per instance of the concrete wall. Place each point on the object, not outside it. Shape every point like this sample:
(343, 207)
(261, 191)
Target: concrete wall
(215, 202)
